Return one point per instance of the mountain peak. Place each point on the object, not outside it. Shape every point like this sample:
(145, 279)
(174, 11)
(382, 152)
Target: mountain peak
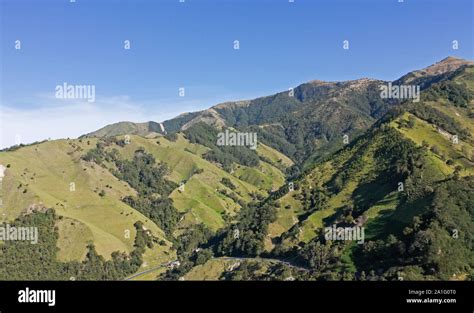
(450, 59)
(448, 64)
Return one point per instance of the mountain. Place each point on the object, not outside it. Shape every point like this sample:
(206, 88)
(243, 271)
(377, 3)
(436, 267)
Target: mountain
(128, 128)
(129, 198)
(396, 180)
(447, 65)
(406, 180)
(301, 123)
(442, 70)
(98, 194)
(308, 122)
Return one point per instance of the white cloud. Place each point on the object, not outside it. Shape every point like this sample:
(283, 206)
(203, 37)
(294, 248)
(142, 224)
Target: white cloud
(54, 118)
(67, 118)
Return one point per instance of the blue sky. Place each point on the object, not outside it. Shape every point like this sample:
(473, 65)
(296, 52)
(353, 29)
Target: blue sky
(191, 45)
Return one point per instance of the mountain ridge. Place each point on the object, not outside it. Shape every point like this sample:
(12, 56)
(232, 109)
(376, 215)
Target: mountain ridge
(213, 115)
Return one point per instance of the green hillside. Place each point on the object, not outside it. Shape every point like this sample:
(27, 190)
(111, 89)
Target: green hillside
(131, 201)
(88, 195)
(41, 176)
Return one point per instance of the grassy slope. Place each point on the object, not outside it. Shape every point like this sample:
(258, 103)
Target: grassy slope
(343, 198)
(45, 171)
(41, 174)
(199, 199)
(423, 131)
(211, 270)
(382, 214)
(275, 156)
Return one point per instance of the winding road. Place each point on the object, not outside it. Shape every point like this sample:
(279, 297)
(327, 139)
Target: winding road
(287, 263)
